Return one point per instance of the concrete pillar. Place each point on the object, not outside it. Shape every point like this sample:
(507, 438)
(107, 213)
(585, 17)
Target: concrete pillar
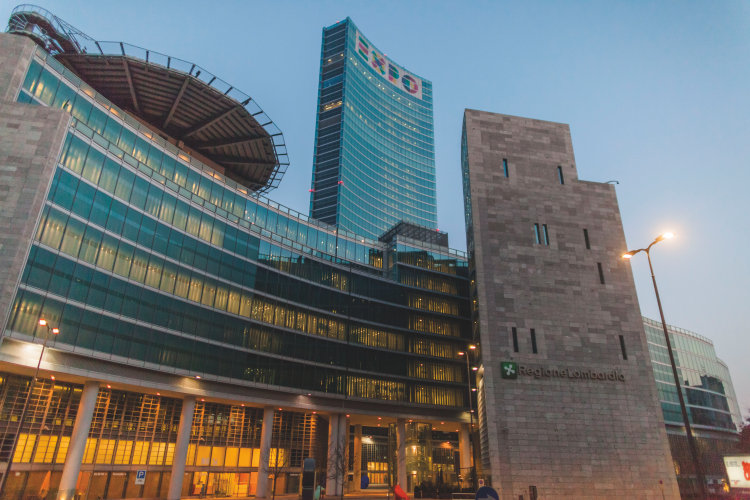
(336, 455)
(266, 433)
(77, 446)
(181, 448)
(344, 440)
(357, 476)
(401, 453)
(464, 449)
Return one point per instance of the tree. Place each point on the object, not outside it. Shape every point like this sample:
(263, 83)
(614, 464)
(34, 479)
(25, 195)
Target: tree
(338, 469)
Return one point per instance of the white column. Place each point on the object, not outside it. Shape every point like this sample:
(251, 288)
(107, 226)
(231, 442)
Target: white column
(401, 446)
(464, 448)
(335, 456)
(181, 448)
(357, 458)
(77, 446)
(266, 433)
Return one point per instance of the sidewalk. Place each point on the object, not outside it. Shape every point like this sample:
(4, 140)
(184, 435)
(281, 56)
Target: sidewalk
(376, 494)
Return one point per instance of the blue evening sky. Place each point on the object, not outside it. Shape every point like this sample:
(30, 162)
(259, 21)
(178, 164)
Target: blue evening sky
(656, 95)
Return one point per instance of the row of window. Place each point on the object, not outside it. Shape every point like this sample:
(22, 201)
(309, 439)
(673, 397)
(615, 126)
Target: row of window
(560, 173)
(128, 146)
(79, 283)
(139, 343)
(106, 212)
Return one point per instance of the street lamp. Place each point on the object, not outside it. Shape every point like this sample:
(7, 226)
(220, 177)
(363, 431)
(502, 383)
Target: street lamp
(54, 331)
(683, 407)
(471, 411)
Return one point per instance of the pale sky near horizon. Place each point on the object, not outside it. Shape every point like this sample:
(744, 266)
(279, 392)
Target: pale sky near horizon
(656, 95)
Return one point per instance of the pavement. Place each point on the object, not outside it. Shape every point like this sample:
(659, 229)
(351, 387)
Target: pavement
(378, 494)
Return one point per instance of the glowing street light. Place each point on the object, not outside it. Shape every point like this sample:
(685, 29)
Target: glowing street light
(466, 354)
(683, 407)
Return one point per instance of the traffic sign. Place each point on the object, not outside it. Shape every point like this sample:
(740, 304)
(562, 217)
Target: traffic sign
(486, 493)
(140, 477)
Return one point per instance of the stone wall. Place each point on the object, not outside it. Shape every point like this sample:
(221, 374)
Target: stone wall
(31, 138)
(580, 421)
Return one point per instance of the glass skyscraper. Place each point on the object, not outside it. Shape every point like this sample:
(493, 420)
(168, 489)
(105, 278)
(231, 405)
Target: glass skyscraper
(374, 162)
(709, 396)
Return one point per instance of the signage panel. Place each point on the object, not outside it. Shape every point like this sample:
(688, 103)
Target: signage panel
(140, 477)
(387, 69)
(738, 471)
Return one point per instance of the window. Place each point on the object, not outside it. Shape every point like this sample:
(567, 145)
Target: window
(601, 272)
(541, 234)
(622, 348)
(505, 168)
(586, 239)
(515, 339)
(533, 341)
(560, 175)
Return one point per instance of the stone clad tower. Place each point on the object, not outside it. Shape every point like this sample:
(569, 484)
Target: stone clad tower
(567, 403)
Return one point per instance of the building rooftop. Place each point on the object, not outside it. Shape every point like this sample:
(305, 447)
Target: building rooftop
(180, 101)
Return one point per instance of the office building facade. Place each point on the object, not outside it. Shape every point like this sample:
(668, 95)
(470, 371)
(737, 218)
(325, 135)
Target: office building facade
(374, 161)
(567, 403)
(711, 402)
(209, 339)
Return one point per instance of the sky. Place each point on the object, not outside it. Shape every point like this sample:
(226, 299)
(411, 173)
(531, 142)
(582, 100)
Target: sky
(655, 93)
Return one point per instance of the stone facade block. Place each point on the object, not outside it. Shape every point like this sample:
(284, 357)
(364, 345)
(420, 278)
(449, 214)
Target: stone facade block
(15, 54)
(31, 138)
(573, 436)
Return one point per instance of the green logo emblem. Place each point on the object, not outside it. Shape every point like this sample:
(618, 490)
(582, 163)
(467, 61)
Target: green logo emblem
(509, 369)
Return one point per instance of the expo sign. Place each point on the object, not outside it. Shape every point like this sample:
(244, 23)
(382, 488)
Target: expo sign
(387, 70)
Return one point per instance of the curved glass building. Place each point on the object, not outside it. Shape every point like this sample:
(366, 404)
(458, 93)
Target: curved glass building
(198, 326)
(374, 162)
(709, 395)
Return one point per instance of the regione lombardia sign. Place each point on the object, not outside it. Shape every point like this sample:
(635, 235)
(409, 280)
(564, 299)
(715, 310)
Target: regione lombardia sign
(386, 69)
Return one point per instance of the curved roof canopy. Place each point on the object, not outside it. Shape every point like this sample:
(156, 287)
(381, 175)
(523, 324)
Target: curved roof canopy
(186, 102)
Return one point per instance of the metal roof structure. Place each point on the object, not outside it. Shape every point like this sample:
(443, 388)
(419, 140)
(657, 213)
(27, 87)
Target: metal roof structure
(183, 102)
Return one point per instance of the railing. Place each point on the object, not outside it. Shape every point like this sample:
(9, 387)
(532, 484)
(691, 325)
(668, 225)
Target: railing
(25, 19)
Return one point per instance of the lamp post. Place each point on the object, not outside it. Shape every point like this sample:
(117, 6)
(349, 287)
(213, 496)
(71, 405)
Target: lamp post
(54, 331)
(471, 347)
(683, 407)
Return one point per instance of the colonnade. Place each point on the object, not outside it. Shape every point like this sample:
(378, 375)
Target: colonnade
(337, 459)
